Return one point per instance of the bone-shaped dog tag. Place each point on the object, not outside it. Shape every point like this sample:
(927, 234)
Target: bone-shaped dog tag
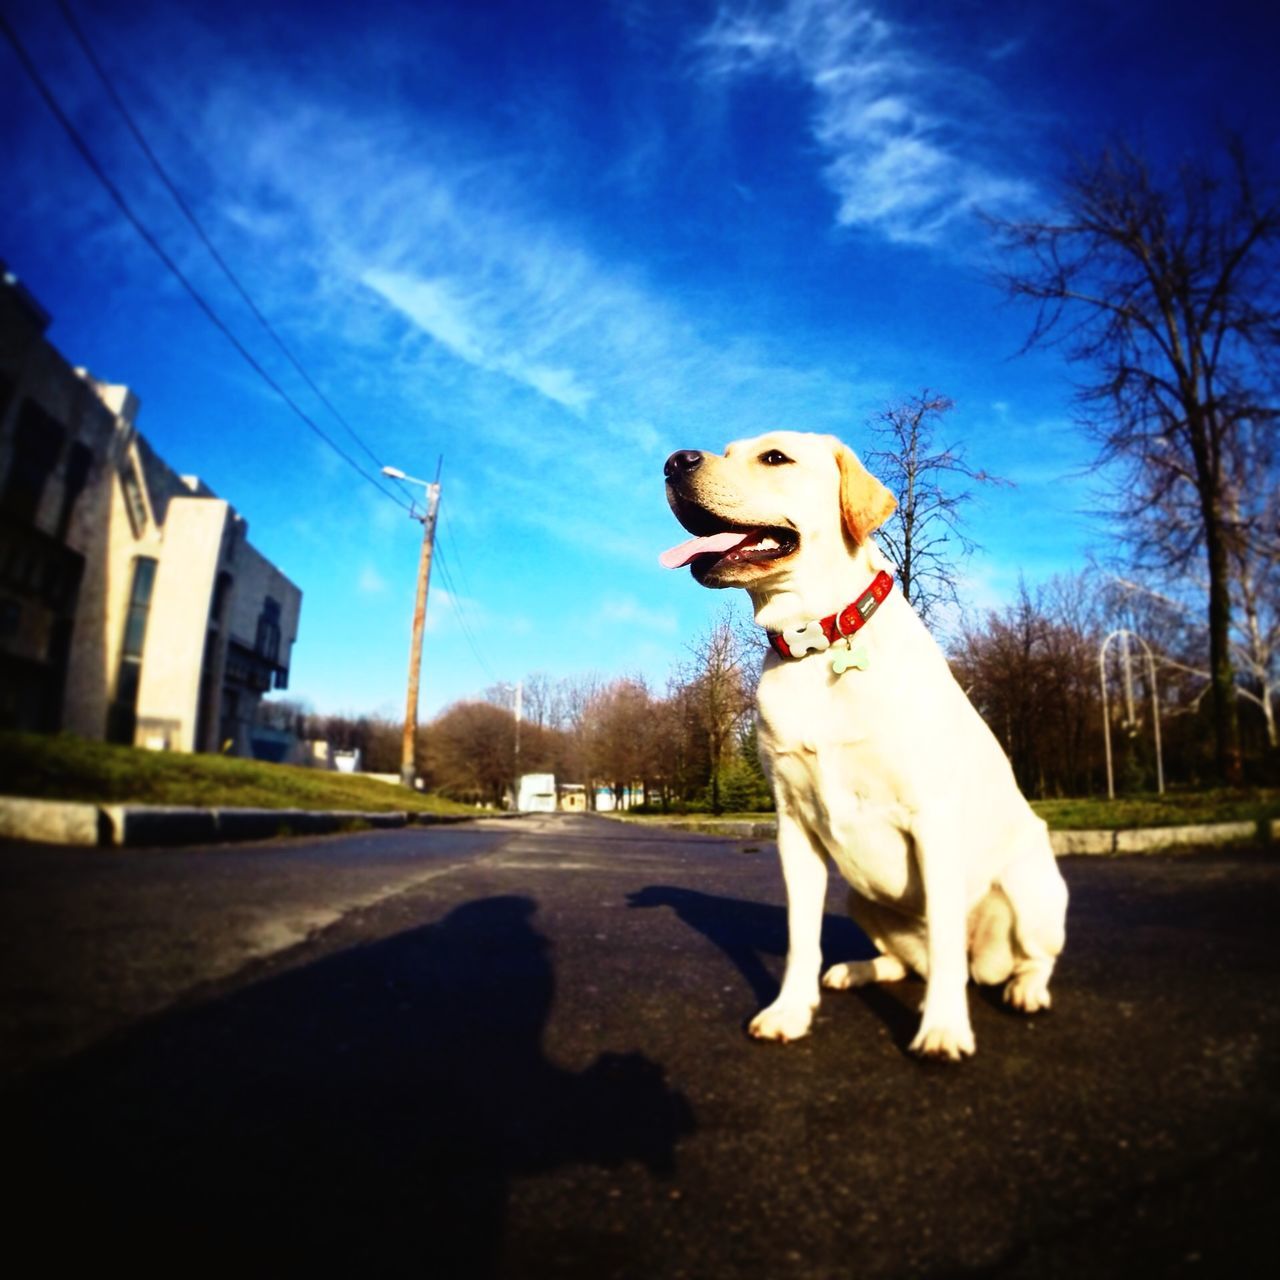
(800, 640)
(853, 656)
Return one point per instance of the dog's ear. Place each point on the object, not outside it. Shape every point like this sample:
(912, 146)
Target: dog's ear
(864, 502)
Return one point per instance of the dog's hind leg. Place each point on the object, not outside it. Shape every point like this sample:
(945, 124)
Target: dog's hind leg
(864, 973)
(992, 949)
(890, 932)
(945, 1030)
(1038, 895)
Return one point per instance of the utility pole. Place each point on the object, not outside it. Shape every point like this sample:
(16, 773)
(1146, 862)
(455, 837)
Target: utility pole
(408, 768)
(519, 706)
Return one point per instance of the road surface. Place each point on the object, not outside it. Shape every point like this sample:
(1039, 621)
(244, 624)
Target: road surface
(517, 1049)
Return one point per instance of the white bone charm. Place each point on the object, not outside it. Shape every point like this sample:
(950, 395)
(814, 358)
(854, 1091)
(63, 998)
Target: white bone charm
(800, 640)
(853, 657)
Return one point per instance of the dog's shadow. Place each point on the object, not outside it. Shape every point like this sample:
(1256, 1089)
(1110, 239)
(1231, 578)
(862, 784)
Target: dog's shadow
(366, 1112)
(753, 935)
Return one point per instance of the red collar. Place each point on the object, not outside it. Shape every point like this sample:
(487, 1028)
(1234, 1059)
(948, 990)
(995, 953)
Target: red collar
(822, 633)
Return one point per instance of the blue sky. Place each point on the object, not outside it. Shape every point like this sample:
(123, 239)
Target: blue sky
(552, 242)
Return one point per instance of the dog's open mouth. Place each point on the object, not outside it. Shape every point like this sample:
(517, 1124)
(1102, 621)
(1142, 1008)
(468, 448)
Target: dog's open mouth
(721, 542)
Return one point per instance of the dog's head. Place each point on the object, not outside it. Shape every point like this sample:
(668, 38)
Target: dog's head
(765, 503)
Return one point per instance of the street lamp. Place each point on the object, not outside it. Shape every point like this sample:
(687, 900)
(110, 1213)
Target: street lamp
(1124, 636)
(408, 773)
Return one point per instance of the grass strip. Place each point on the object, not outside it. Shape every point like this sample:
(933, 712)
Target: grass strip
(1173, 809)
(64, 767)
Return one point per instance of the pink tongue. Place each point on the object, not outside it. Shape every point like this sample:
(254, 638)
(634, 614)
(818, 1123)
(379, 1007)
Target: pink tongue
(680, 556)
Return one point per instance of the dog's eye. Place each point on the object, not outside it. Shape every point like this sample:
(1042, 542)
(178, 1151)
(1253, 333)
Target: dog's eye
(774, 458)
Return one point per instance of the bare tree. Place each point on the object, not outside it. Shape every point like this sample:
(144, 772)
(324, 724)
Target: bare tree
(288, 714)
(376, 737)
(1163, 582)
(1166, 288)
(1255, 634)
(1258, 650)
(1031, 670)
(683, 759)
(618, 741)
(720, 691)
(539, 700)
(924, 537)
(470, 746)
(1254, 510)
(573, 700)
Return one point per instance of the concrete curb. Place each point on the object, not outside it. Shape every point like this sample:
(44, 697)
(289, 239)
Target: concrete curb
(1210, 833)
(138, 825)
(1200, 835)
(1065, 843)
(52, 822)
(64, 822)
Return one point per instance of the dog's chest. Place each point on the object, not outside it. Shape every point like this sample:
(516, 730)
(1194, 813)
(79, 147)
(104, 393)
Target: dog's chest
(835, 775)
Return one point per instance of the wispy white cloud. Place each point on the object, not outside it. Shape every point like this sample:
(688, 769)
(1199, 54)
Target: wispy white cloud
(437, 309)
(431, 305)
(519, 333)
(387, 223)
(904, 153)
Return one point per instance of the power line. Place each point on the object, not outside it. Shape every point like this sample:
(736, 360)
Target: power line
(86, 153)
(114, 192)
(86, 46)
(462, 573)
(454, 594)
(50, 99)
(464, 626)
(466, 589)
(68, 16)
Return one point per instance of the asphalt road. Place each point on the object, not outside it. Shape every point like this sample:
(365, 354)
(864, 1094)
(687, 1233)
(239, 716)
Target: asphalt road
(518, 1049)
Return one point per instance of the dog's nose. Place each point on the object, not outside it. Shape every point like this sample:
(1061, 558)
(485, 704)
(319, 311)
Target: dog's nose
(681, 463)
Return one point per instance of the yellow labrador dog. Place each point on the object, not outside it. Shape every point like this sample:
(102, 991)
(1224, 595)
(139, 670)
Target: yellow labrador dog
(877, 759)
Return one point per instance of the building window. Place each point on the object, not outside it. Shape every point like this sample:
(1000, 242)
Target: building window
(135, 625)
(134, 502)
(37, 444)
(268, 642)
(218, 609)
(123, 716)
(79, 462)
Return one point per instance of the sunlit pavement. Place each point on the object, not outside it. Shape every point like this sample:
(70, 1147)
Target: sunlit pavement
(518, 1049)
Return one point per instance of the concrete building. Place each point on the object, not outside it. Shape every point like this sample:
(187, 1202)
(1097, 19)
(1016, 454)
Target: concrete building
(132, 606)
(536, 793)
(573, 797)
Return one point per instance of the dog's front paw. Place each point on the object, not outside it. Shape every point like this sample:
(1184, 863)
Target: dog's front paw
(948, 1043)
(781, 1022)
